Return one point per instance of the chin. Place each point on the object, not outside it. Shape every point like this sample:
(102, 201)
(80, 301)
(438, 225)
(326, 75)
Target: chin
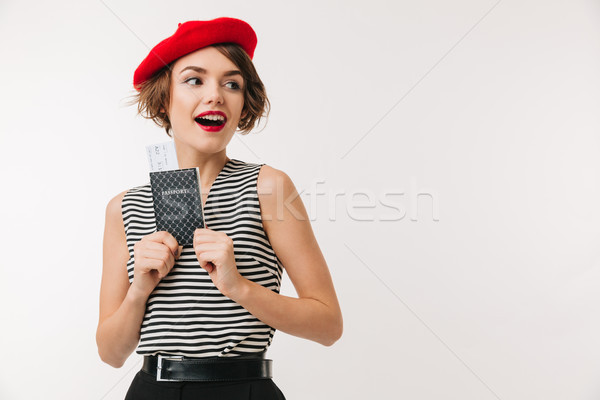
(209, 144)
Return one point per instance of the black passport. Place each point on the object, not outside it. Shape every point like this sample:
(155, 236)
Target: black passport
(177, 202)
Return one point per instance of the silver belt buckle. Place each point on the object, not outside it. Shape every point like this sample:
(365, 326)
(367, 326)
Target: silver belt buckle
(159, 366)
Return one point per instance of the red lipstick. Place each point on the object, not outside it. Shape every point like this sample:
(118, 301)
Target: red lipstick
(211, 124)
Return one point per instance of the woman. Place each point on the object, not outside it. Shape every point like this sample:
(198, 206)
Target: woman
(204, 315)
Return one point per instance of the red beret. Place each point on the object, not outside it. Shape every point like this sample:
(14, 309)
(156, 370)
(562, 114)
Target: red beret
(191, 36)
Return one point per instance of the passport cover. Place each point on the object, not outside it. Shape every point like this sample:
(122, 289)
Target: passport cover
(177, 202)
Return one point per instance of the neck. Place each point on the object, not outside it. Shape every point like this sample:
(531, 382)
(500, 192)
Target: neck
(209, 165)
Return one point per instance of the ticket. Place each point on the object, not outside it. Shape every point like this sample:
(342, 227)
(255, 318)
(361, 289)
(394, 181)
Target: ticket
(162, 156)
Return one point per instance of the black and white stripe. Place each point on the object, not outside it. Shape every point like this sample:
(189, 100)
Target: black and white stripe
(186, 314)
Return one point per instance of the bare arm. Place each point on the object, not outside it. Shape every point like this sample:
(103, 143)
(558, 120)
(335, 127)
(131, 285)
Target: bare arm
(122, 306)
(315, 314)
(121, 311)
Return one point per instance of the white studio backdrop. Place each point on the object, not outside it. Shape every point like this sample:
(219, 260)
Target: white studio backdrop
(447, 151)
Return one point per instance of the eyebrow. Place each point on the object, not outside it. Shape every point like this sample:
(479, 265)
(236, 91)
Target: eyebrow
(203, 71)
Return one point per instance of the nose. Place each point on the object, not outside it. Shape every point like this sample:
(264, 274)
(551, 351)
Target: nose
(212, 93)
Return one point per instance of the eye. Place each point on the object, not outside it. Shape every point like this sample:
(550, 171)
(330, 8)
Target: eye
(236, 85)
(191, 79)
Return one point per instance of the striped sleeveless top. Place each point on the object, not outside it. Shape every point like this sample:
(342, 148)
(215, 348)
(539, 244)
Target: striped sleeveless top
(186, 314)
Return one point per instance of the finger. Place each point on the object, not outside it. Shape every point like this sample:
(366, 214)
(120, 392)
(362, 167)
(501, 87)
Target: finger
(223, 241)
(205, 260)
(209, 267)
(146, 243)
(214, 236)
(204, 232)
(148, 265)
(166, 238)
(163, 270)
(170, 262)
(157, 236)
(165, 265)
(161, 260)
(154, 253)
(151, 243)
(201, 239)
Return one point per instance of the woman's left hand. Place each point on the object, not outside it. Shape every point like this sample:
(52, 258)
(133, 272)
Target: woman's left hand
(214, 251)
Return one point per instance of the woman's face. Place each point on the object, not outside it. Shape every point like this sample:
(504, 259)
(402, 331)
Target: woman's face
(205, 80)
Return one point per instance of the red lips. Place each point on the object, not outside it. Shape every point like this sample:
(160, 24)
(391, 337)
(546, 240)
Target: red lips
(212, 113)
(211, 128)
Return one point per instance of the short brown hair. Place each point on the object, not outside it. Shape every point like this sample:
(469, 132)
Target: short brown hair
(154, 94)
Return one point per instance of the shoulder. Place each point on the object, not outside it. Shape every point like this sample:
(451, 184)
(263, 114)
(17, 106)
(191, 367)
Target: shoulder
(277, 194)
(118, 202)
(269, 177)
(273, 181)
(113, 208)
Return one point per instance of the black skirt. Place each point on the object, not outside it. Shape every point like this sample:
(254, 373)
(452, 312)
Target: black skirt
(145, 387)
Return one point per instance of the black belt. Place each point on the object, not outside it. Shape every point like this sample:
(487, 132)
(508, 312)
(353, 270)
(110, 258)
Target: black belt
(179, 368)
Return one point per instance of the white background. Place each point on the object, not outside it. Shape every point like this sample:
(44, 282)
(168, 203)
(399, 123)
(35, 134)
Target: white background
(484, 287)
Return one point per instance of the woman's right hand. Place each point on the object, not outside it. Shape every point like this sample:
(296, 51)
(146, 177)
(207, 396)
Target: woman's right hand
(154, 255)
